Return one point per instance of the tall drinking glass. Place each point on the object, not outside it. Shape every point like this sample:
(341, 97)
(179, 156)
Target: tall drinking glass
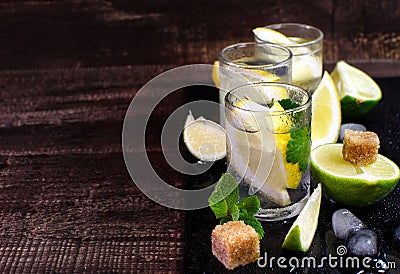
(268, 145)
(252, 62)
(306, 44)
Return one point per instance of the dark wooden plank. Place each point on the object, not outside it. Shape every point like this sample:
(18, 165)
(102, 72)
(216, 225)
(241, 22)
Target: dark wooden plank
(67, 201)
(86, 33)
(70, 205)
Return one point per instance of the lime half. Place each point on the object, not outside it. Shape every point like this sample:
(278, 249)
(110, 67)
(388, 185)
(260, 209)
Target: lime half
(301, 233)
(351, 185)
(358, 92)
(205, 139)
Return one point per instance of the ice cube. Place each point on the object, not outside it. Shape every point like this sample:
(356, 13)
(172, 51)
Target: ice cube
(344, 223)
(396, 239)
(363, 242)
(351, 126)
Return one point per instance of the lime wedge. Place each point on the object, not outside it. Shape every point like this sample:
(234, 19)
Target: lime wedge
(351, 185)
(205, 139)
(301, 233)
(326, 113)
(358, 92)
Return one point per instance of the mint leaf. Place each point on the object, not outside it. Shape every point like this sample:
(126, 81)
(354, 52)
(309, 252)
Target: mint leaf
(288, 104)
(253, 222)
(220, 209)
(224, 203)
(298, 148)
(249, 205)
(234, 211)
(224, 196)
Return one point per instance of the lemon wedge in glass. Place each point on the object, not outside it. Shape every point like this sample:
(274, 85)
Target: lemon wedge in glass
(273, 36)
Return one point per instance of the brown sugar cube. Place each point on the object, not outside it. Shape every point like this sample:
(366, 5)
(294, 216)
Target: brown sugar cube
(234, 243)
(360, 148)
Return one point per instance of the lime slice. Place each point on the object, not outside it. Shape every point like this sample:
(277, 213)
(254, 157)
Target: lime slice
(215, 73)
(358, 92)
(273, 36)
(326, 114)
(351, 185)
(205, 139)
(301, 233)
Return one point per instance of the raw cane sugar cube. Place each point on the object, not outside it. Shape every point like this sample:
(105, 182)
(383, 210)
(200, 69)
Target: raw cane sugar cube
(234, 243)
(360, 148)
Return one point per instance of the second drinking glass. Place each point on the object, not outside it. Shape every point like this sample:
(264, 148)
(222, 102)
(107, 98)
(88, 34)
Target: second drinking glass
(305, 42)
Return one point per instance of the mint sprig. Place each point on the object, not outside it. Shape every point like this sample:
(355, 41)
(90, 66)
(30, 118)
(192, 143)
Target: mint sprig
(224, 203)
(287, 103)
(298, 148)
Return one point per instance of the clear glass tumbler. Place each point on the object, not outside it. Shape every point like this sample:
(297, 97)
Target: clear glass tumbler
(307, 48)
(268, 146)
(244, 63)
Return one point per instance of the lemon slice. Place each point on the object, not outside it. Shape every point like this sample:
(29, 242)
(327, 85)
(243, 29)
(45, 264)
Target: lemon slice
(282, 172)
(282, 126)
(252, 73)
(301, 233)
(248, 104)
(326, 114)
(248, 73)
(350, 185)
(249, 121)
(254, 155)
(215, 73)
(358, 92)
(205, 139)
(255, 158)
(273, 36)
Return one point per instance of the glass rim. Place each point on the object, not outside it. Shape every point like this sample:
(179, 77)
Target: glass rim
(299, 25)
(255, 44)
(300, 108)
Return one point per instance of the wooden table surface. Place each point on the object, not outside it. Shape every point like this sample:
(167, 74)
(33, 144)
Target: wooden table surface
(68, 71)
